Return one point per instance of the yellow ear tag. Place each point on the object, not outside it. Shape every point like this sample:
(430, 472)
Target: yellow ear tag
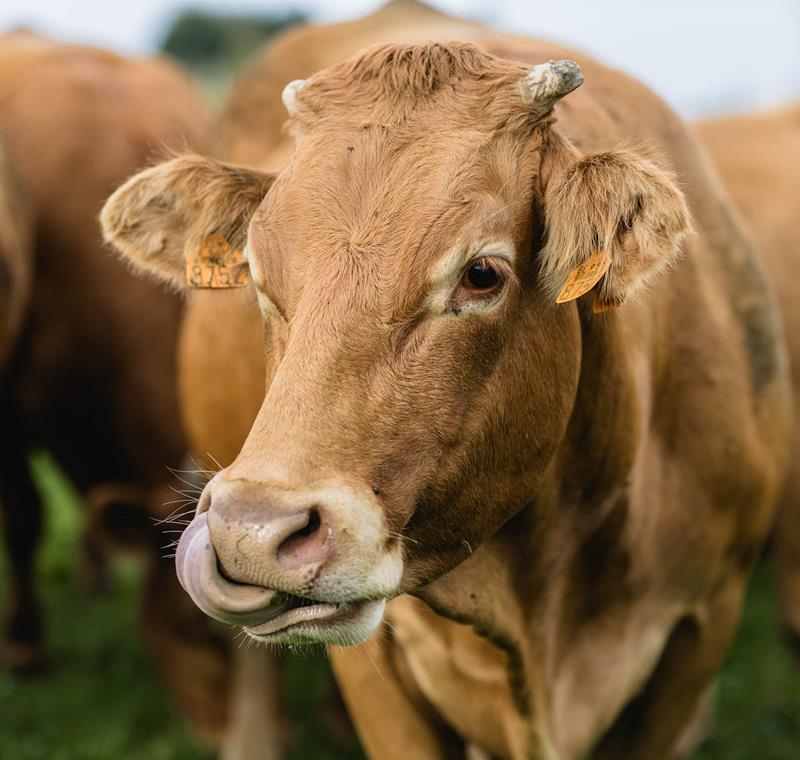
(584, 277)
(215, 264)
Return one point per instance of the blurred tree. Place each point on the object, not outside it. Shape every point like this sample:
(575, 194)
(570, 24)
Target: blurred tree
(206, 41)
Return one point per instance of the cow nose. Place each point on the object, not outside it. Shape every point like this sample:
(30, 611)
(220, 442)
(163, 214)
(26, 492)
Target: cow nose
(262, 538)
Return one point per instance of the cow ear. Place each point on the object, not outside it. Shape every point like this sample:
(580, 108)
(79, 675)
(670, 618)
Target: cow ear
(162, 213)
(615, 214)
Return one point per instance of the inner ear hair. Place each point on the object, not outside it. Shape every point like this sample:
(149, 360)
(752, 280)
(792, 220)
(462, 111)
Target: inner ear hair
(157, 214)
(620, 202)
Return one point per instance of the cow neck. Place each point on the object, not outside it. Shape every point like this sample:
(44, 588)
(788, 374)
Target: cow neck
(520, 589)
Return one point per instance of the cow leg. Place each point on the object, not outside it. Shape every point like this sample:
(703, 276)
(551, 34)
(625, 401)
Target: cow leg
(390, 723)
(654, 724)
(22, 525)
(255, 718)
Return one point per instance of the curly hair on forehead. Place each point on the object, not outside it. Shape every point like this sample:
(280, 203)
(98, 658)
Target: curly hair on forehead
(393, 81)
(422, 69)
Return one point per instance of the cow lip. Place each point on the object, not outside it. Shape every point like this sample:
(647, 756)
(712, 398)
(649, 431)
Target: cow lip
(296, 611)
(282, 604)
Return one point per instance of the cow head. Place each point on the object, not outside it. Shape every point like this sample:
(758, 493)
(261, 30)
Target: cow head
(405, 263)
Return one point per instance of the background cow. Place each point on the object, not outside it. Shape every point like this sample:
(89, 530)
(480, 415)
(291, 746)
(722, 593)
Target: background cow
(758, 157)
(91, 373)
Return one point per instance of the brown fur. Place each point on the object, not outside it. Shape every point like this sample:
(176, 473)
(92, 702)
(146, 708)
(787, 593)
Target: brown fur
(509, 449)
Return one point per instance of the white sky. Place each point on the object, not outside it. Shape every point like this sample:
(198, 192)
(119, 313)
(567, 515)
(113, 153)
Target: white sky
(704, 56)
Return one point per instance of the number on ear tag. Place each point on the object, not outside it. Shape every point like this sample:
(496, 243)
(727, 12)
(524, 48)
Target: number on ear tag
(215, 264)
(584, 277)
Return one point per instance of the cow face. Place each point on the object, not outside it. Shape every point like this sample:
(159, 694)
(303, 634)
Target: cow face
(405, 264)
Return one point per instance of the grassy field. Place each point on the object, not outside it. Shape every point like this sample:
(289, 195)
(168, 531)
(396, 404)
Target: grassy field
(101, 699)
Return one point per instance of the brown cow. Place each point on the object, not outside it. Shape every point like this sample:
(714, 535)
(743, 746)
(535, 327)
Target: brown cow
(91, 377)
(758, 157)
(431, 414)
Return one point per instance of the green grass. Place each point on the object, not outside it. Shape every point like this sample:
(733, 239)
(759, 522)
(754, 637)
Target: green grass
(101, 699)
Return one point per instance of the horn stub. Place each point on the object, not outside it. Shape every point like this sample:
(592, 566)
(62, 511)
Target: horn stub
(548, 82)
(289, 95)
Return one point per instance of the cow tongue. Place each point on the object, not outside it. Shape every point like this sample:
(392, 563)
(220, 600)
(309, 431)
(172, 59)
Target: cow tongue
(219, 598)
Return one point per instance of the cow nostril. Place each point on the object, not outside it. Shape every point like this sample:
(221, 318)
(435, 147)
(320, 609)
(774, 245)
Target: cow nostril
(312, 526)
(307, 545)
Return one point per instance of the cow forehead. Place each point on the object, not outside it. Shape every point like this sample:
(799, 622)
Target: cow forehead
(369, 194)
(398, 85)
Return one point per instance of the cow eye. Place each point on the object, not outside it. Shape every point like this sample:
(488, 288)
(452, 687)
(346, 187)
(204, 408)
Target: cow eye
(482, 276)
(482, 280)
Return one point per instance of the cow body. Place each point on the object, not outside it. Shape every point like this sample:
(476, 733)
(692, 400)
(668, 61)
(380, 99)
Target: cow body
(581, 560)
(91, 373)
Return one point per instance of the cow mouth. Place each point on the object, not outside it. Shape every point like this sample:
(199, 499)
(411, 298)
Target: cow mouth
(263, 613)
(300, 616)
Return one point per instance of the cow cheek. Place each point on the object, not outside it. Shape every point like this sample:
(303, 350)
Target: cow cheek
(518, 419)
